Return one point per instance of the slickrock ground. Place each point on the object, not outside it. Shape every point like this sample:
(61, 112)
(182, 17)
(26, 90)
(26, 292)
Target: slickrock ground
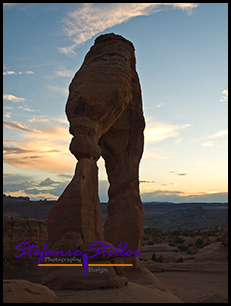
(141, 288)
(22, 291)
(200, 278)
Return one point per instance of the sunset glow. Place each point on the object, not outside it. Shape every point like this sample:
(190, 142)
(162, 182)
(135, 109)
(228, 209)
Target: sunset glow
(181, 59)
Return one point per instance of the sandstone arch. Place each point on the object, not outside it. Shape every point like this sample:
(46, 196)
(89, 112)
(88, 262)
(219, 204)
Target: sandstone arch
(104, 108)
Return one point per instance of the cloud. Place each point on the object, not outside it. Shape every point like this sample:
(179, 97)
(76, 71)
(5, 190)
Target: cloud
(156, 132)
(17, 125)
(46, 150)
(92, 18)
(47, 182)
(208, 144)
(225, 96)
(20, 185)
(219, 134)
(63, 72)
(68, 50)
(28, 109)
(34, 119)
(178, 141)
(12, 98)
(29, 72)
(9, 72)
(147, 182)
(63, 91)
(7, 115)
(177, 173)
(218, 142)
(8, 5)
(154, 153)
(65, 175)
(162, 103)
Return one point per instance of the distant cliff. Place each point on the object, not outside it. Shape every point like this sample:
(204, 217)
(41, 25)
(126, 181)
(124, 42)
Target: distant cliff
(22, 207)
(10, 199)
(164, 215)
(22, 230)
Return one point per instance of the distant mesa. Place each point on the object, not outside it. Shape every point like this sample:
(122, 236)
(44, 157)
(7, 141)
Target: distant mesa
(11, 199)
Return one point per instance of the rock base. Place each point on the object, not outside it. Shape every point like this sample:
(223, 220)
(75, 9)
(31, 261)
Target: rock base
(73, 278)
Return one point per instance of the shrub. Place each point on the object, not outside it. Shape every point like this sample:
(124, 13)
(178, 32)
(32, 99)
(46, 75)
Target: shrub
(182, 247)
(171, 244)
(179, 240)
(180, 259)
(159, 259)
(199, 243)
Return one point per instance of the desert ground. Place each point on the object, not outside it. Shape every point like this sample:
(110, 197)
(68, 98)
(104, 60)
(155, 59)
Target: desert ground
(201, 276)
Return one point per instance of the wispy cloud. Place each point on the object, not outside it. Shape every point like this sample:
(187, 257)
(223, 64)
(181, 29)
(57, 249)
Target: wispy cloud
(25, 108)
(178, 173)
(63, 72)
(68, 51)
(219, 134)
(92, 18)
(208, 144)
(63, 91)
(158, 131)
(147, 182)
(17, 125)
(216, 143)
(7, 115)
(11, 72)
(162, 103)
(8, 5)
(12, 98)
(35, 119)
(225, 96)
(46, 149)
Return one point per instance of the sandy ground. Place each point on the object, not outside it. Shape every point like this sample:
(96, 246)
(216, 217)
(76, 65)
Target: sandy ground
(201, 278)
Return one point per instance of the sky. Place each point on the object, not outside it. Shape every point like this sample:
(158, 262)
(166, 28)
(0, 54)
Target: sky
(182, 61)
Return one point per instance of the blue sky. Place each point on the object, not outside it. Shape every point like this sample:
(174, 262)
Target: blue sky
(182, 62)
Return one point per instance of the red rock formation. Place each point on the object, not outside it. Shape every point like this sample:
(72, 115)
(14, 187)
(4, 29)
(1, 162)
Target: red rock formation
(22, 291)
(104, 109)
(22, 230)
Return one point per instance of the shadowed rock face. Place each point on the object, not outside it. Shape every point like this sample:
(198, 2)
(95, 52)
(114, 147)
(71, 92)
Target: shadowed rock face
(100, 92)
(104, 109)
